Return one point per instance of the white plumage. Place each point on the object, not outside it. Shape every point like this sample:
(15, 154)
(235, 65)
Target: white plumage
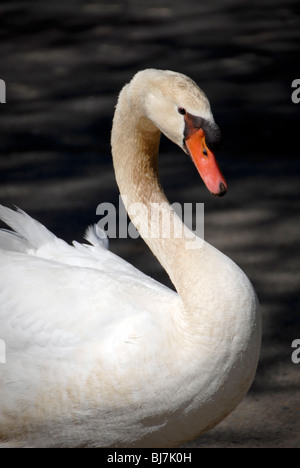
(99, 354)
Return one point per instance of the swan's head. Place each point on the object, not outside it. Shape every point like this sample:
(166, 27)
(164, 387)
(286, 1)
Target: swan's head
(181, 110)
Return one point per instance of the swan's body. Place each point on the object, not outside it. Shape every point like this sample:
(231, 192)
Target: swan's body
(98, 354)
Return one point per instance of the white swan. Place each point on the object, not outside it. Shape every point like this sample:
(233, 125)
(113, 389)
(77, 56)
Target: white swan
(97, 353)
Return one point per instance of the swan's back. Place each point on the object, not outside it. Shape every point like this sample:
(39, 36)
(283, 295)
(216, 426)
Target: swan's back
(68, 313)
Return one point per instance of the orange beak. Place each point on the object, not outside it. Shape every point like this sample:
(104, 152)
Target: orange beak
(206, 163)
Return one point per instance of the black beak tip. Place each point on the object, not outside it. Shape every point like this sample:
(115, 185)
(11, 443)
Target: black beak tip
(222, 190)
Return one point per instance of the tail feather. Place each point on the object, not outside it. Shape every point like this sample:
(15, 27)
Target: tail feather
(96, 236)
(27, 232)
(9, 240)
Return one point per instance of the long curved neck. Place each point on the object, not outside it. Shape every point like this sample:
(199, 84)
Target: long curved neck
(135, 146)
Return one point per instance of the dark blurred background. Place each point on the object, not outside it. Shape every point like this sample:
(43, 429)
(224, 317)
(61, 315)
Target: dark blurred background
(64, 64)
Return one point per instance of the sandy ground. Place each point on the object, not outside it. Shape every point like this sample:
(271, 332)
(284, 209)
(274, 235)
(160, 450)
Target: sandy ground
(64, 64)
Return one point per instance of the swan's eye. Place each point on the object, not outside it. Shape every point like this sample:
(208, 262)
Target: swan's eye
(181, 110)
